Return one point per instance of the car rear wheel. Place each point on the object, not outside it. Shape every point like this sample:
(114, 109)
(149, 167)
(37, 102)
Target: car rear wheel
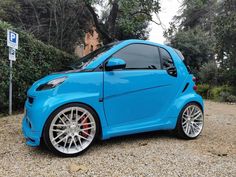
(71, 129)
(190, 122)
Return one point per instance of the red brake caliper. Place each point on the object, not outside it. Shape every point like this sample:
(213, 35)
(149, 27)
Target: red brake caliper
(85, 120)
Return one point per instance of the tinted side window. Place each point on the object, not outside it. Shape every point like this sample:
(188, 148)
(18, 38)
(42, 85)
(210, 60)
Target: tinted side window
(167, 61)
(140, 56)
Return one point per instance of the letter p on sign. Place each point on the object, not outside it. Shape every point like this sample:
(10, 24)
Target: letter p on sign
(12, 39)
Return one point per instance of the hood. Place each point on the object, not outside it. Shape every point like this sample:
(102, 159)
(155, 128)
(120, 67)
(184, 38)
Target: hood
(69, 71)
(44, 80)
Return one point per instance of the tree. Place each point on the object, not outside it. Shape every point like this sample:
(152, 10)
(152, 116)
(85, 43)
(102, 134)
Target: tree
(195, 44)
(196, 13)
(123, 19)
(225, 34)
(206, 33)
(60, 23)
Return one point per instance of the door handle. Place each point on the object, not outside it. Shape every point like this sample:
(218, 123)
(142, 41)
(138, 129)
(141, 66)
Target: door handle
(172, 71)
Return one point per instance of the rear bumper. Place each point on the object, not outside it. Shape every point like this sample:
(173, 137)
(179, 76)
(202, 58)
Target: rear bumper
(32, 137)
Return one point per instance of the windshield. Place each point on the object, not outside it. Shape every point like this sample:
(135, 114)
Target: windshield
(84, 61)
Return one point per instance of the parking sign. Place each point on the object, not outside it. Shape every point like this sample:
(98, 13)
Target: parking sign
(12, 43)
(12, 39)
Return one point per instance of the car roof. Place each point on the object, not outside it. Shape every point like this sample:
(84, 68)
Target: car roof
(132, 41)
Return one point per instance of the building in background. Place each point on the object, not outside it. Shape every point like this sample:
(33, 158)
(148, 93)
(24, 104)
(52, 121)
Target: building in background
(91, 43)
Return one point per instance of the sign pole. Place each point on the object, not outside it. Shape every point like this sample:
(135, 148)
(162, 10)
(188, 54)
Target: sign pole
(12, 43)
(10, 89)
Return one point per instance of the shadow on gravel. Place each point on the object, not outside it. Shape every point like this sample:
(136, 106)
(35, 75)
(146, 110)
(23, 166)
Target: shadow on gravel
(140, 139)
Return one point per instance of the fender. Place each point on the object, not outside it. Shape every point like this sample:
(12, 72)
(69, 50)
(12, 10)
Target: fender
(180, 102)
(53, 103)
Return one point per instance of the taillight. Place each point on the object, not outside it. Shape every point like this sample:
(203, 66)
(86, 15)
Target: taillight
(195, 87)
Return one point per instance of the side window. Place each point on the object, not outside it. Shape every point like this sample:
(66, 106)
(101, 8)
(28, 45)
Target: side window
(140, 56)
(167, 61)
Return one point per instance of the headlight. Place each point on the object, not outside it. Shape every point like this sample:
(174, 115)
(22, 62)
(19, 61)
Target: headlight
(51, 84)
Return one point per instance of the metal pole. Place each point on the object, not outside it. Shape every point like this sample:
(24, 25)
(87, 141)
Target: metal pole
(10, 89)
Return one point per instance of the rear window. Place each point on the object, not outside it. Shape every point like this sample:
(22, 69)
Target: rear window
(179, 54)
(182, 57)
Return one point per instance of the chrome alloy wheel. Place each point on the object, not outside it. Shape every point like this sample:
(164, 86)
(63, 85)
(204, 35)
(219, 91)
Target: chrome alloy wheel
(72, 130)
(192, 120)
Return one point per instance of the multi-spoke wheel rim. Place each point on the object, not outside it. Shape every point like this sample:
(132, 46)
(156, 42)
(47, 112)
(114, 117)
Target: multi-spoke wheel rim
(72, 130)
(192, 121)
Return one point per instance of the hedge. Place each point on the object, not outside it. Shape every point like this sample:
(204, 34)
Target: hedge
(222, 93)
(34, 60)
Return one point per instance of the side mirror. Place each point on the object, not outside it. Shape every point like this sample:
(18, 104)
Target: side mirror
(115, 63)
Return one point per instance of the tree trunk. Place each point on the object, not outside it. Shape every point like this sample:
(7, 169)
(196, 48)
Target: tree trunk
(104, 35)
(111, 22)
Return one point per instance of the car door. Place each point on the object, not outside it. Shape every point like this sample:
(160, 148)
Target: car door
(142, 91)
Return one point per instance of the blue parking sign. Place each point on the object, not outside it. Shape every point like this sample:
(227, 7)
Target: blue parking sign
(12, 39)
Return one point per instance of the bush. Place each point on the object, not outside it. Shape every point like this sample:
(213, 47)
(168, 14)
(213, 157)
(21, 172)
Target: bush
(231, 98)
(227, 77)
(203, 90)
(218, 93)
(34, 60)
(208, 73)
(227, 97)
(223, 93)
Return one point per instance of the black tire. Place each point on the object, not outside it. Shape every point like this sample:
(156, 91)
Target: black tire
(179, 128)
(46, 138)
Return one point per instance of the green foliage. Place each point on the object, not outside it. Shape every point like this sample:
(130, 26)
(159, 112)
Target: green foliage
(203, 90)
(232, 98)
(197, 12)
(227, 76)
(55, 22)
(11, 6)
(223, 93)
(225, 34)
(130, 19)
(193, 36)
(34, 60)
(63, 23)
(195, 45)
(134, 17)
(206, 34)
(227, 97)
(208, 73)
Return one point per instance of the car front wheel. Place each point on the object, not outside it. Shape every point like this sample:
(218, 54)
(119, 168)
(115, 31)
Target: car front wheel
(190, 122)
(71, 129)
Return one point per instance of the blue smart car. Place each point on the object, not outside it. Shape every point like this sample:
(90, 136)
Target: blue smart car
(121, 88)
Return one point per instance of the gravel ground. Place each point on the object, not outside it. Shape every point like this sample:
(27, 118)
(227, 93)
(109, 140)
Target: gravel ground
(149, 154)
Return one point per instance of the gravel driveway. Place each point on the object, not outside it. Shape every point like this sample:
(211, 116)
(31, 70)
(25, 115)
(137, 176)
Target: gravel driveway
(149, 154)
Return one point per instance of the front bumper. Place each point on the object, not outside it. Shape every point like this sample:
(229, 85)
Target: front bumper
(33, 121)
(32, 137)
